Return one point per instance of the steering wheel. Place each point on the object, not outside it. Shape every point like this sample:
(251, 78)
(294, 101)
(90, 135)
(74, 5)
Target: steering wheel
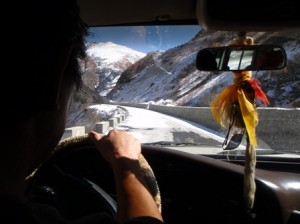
(78, 181)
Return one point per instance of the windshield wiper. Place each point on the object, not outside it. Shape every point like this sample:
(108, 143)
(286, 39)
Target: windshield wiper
(260, 152)
(171, 143)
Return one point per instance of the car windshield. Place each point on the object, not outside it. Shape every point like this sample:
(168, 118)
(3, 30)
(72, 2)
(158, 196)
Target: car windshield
(143, 79)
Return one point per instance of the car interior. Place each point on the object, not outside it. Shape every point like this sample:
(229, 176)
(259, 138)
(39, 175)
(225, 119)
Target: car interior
(188, 188)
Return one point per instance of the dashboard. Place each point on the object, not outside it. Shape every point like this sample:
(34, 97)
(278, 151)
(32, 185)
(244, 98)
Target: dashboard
(199, 189)
(193, 188)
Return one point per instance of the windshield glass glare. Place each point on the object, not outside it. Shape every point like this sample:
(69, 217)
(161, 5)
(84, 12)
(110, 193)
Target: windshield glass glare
(145, 79)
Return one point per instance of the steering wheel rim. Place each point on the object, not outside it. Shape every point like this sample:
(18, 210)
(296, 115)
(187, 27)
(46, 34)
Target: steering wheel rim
(53, 180)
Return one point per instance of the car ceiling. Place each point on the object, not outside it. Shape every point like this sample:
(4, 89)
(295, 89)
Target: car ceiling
(96, 13)
(230, 15)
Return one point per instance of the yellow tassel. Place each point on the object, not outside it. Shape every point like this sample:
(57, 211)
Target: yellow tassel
(250, 116)
(221, 106)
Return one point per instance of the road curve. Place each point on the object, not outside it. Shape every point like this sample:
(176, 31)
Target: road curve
(150, 126)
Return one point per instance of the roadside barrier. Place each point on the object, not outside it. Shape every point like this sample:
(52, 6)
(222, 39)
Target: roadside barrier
(275, 124)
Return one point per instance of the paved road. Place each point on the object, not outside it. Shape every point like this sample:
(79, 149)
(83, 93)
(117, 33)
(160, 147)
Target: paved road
(150, 126)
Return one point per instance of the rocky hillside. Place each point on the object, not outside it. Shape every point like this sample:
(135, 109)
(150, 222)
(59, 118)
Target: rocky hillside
(117, 73)
(171, 76)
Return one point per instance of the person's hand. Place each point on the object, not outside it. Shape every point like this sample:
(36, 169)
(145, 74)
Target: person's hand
(122, 151)
(116, 145)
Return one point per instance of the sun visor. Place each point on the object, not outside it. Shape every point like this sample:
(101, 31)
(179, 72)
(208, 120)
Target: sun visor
(254, 15)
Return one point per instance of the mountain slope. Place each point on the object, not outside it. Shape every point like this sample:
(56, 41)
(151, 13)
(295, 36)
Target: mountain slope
(111, 60)
(171, 76)
(117, 73)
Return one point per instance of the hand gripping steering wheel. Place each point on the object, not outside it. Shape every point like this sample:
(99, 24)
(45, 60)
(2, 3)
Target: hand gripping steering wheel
(78, 181)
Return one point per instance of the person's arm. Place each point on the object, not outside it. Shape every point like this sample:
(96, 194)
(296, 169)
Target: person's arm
(122, 151)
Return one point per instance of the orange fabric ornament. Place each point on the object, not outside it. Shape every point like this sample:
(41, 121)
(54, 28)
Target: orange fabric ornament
(242, 94)
(235, 105)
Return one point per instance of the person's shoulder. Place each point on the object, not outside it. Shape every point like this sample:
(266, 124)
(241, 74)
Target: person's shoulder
(45, 214)
(38, 213)
(145, 220)
(17, 213)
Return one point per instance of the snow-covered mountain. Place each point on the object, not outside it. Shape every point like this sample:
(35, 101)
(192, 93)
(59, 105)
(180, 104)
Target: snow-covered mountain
(102, 68)
(118, 73)
(111, 60)
(171, 77)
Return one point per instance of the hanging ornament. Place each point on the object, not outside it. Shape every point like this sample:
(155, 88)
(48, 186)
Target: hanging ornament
(235, 109)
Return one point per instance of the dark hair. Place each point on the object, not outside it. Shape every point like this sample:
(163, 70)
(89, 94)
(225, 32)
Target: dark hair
(36, 32)
(70, 28)
(205, 60)
(77, 32)
(49, 24)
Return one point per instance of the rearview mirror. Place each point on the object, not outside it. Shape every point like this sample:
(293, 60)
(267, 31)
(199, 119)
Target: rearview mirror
(241, 58)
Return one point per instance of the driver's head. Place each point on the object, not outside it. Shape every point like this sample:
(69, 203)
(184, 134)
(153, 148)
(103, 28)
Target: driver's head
(45, 39)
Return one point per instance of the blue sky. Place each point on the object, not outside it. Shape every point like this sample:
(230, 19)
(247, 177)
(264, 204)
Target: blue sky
(144, 38)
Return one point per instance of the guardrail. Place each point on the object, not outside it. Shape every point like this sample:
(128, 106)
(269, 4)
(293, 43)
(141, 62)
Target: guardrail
(274, 124)
(101, 127)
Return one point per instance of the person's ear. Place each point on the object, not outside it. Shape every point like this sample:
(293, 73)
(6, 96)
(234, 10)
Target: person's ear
(35, 84)
(53, 79)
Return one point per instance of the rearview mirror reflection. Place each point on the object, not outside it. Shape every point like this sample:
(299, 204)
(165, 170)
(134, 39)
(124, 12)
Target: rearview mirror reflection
(241, 58)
